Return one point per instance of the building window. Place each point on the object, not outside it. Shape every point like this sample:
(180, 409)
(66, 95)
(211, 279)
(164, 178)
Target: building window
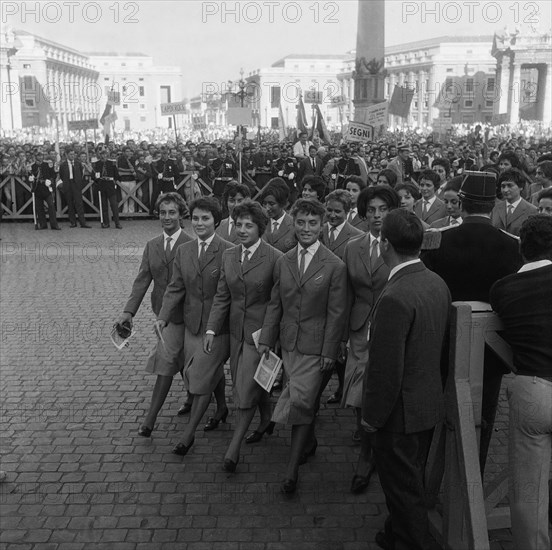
(275, 93)
(415, 104)
(142, 119)
(28, 82)
(30, 101)
(125, 105)
(469, 85)
(449, 69)
(165, 92)
(141, 91)
(426, 104)
(490, 84)
(106, 79)
(26, 65)
(141, 79)
(489, 103)
(140, 64)
(142, 106)
(274, 122)
(469, 51)
(468, 103)
(123, 64)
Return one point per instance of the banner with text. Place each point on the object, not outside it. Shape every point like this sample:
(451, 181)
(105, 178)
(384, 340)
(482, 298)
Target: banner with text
(359, 132)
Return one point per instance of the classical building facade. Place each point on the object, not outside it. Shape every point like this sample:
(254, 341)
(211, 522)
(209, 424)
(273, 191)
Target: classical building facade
(524, 76)
(142, 86)
(54, 83)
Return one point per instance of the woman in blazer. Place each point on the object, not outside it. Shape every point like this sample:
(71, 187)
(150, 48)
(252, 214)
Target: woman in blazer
(234, 193)
(191, 291)
(157, 265)
(243, 293)
(367, 275)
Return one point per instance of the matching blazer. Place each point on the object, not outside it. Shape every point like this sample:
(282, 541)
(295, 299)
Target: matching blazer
(284, 239)
(243, 292)
(193, 287)
(222, 232)
(360, 224)
(512, 225)
(365, 281)
(155, 267)
(307, 313)
(347, 233)
(436, 211)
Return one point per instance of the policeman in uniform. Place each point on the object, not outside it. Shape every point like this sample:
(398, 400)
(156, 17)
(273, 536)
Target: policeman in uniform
(42, 178)
(165, 173)
(285, 167)
(224, 169)
(470, 258)
(106, 177)
(262, 161)
(345, 166)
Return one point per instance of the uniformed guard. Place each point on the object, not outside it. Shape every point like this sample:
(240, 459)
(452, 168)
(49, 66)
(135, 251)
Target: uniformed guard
(471, 257)
(106, 177)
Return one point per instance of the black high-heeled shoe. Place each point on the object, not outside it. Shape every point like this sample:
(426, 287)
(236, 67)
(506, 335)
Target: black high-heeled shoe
(212, 422)
(289, 486)
(256, 436)
(182, 449)
(311, 451)
(229, 465)
(144, 431)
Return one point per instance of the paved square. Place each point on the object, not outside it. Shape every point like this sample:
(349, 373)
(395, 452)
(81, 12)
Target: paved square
(78, 475)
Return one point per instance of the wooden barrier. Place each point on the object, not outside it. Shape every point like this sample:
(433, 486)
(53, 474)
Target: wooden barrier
(16, 198)
(462, 508)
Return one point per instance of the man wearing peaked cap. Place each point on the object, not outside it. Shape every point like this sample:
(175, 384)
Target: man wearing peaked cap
(470, 258)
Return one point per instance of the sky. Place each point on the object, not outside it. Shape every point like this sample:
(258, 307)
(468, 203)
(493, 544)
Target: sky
(212, 40)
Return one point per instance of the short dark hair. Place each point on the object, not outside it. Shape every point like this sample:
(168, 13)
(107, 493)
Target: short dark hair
(341, 196)
(411, 188)
(454, 184)
(308, 206)
(232, 189)
(476, 207)
(356, 179)
(432, 176)
(511, 157)
(209, 204)
(317, 184)
(172, 197)
(253, 210)
(513, 174)
(279, 189)
(389, 175)
(546, 167)
(441, 162)
(404, 231)
(536, 238)
(384, 192)
(545, 194)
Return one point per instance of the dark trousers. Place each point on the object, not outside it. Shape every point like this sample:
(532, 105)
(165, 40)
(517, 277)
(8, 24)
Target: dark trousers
(400, 463)
(112, 199)
(73, 196)
(41, 211)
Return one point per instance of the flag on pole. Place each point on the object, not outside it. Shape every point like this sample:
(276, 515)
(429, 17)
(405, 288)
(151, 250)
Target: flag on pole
(281, 123)
(108, 118)
(320, 125)
(401, 101)
(302, 124)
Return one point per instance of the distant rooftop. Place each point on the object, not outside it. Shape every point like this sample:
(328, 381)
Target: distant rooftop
(281, 62)
(435, 42)
(117, 54)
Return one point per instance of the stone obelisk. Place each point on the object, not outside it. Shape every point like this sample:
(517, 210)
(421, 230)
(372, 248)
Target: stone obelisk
(369, 74)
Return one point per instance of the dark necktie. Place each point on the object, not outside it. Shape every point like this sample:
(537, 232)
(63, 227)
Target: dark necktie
(168, 248)
(374, 254)
(332, 235)
(203, 245)
(303, 253)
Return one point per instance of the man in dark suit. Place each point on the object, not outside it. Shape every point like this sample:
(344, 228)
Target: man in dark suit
(157, 264)
(510, 213)
(402, 392)
(470, 258)
(42, 179)
(311, 165)
(71, 174)
(523, 301)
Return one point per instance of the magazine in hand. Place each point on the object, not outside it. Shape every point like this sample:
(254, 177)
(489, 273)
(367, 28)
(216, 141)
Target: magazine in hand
(268, 371)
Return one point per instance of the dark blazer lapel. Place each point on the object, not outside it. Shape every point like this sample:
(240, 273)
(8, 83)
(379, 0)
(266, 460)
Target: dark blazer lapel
(195, 259)
(179, 241)
(236, 260)
(160, 248)
(211, 251)
(344, 235)
(379, 263)
(433, 208)
(316, 264)
(256, 259)
(365, 252)
(517, 213)
(291, 258)
(502, 213)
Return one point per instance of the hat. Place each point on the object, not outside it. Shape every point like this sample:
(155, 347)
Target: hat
(478, 186)
(403, 147)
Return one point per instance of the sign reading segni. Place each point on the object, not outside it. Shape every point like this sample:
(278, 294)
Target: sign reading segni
(359, 131)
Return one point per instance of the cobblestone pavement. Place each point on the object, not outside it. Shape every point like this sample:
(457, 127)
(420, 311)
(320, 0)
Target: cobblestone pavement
(79, 477)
